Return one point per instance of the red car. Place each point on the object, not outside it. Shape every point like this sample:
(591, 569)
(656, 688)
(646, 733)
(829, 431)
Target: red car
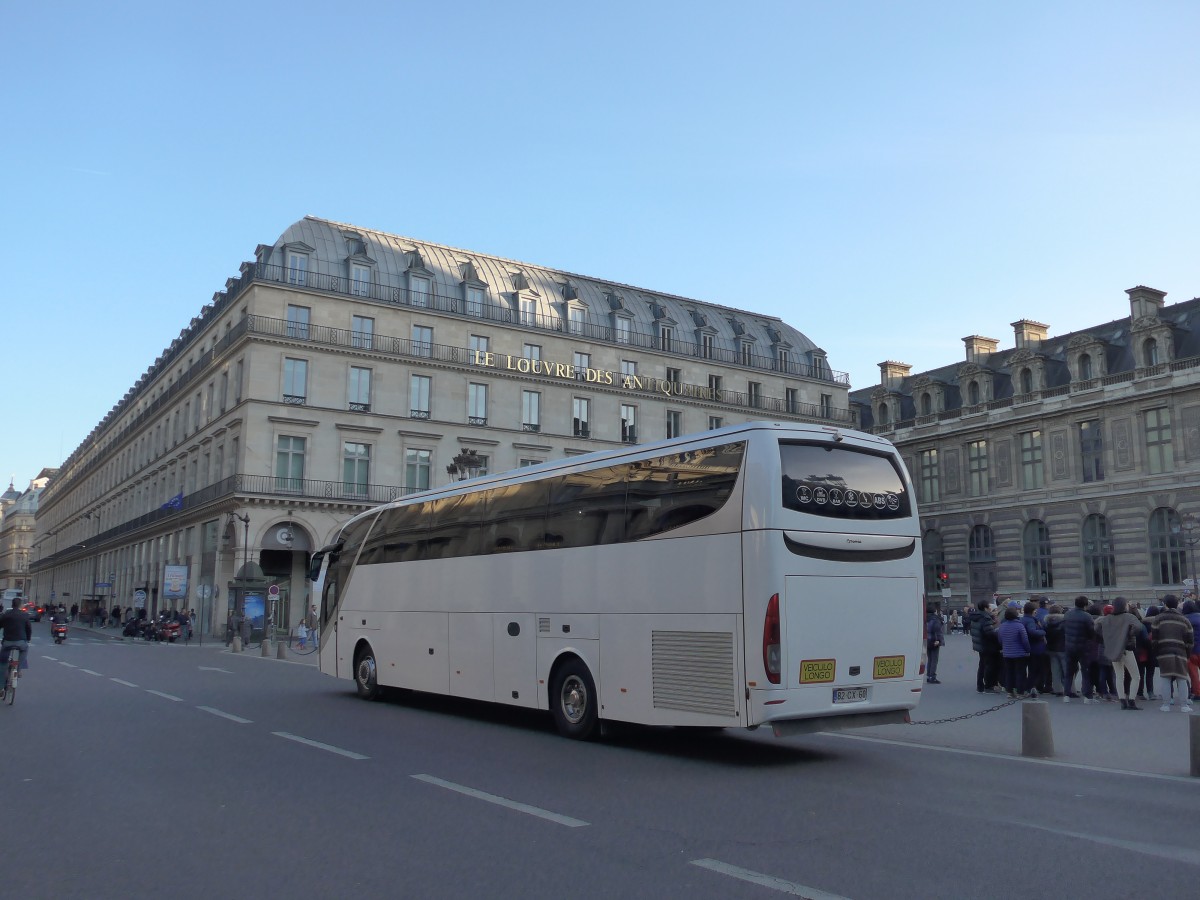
(35, 612)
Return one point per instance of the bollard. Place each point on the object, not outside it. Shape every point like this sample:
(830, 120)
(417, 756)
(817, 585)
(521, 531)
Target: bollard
(282, 654)
(1194, 738)
(237, 643)
(1037, 739)
(266, 647)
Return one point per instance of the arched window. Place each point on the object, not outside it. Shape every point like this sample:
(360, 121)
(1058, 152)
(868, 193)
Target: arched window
(973, 393)
(1099, 563)
(1026, 381)
(1150, 352)
(935, 560)
(926, 404)
(1085, 367)
(1035, 555)
(883, 414)
(980, 548)
(1166, 547)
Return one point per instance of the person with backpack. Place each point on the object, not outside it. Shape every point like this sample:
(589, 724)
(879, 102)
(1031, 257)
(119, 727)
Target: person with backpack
(935, 636)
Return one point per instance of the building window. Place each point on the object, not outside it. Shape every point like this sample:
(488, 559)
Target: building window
(977, 468)
(827, 406)
(931, 491)
(973, 393)
(417, 466)
(1026, 381)
(1035, 553)
(575, 320)
(360, 281)
(714, 386)
(628, 423)
(531, 411)
(356, 468)
(477, 343)
(525, 462)
(673, 376)
(747, 353)
(1150, 351)
(481, 465)
(1166, 547)
(629, 368)
(237, 382)
(792, 400)
(706, 346)
(674, 423)
(666, 337)
(583, 362)
(784, 360)
(581, 412)
(477, 404)
(289, 464)
(297, 269)
(532, 351)
(1091, 449)
(980, 547)
(422, 340)
(1085, 368)
(419, 387)
(418, 291)
(622, 331)
(1099, 562)
(360, 389)
(754, 389)
(224, 389)
(926, 404)
(474, 301)
(295, 381)
(362, 330)
(1031, 460)
(934, 554)
(528, 312)
(297, 322)
(715, 422)
(1159, 455)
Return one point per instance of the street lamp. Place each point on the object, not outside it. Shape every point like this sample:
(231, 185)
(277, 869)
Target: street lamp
(1191, 536)
(464, 466)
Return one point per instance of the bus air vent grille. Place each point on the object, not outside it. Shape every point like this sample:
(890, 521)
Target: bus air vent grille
(543, 625)
(693, 672)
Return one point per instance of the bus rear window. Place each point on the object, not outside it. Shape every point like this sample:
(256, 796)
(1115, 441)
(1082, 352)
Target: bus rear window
(841, 482)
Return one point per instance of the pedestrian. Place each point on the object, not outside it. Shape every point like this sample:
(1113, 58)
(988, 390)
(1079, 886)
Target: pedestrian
(314, 627)
(1118, 636)
(1192, 613)
(1056, 649)
(74, 611)
(1146, 659)
(984, 642)
(935, 636)
(1173, 638)
(1080, 638)
(1102, 673)
(302, 635)
(1014, 647)
(1039, 662)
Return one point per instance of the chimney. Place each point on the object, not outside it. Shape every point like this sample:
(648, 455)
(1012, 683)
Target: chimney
(892, 373)
(980, 348)
(1029, 333)
(1144, 301)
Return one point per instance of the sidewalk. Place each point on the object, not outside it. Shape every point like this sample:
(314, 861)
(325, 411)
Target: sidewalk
(207, 643)
(1096, 734)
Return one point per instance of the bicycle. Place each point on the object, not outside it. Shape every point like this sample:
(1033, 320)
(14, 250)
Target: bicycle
(10, 681)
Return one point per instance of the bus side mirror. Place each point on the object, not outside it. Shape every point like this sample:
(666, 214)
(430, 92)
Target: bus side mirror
(314, 565)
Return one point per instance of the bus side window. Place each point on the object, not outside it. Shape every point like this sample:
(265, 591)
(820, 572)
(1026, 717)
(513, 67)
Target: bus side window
(587, 509)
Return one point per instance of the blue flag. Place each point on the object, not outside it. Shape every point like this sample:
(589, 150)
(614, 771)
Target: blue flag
(175, 502)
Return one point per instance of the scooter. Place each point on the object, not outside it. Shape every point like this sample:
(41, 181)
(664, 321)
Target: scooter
(58, 630)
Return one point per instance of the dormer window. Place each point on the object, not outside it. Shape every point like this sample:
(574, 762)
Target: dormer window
(474, 301)
(622, 330)
(784, 359)
(926, 404)
(706, 346)
(360, 280)
(1085, 367)
(1150, 352)
(528, 311)
(746, 353)
(666, 337)
(419, 289)
(1026, 381)
(973, 393)
(297, 268)
(576, 317)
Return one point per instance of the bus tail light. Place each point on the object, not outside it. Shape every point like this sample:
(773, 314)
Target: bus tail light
(771, 651)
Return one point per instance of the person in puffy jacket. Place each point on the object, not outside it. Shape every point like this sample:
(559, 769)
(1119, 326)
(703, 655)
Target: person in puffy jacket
(1056, 649)
(1191, 612)
(935, 636)
(1039, 661)
(1014, 648)
(982, 625)
(1079, 634)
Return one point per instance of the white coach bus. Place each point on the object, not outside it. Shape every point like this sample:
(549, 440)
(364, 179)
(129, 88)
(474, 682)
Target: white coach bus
(759, 574)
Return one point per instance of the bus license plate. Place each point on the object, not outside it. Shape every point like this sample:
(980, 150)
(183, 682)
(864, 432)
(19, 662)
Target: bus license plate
(849, 695)
(889, 667)
(816, 671)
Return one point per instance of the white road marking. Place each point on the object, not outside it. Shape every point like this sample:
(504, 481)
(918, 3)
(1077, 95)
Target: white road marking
(164, 696)
(51, 658)
(1174, 854)
(1180, 779)
(213, 669)
(225, 715)
(350, 754)
(68, 665)
(90, 672)
(502, 801)
(767, 881)
(126, 683)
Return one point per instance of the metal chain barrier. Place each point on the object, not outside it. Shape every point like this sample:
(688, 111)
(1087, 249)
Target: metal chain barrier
(970, 715)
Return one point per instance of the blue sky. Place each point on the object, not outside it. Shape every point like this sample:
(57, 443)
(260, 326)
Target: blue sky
(888, 177)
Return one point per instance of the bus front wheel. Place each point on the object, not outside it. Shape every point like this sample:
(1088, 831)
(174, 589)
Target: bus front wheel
(366, 677)
(573, 701)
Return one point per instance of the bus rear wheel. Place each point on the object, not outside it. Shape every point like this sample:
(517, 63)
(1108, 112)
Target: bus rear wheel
(366, 676)
(573, 701)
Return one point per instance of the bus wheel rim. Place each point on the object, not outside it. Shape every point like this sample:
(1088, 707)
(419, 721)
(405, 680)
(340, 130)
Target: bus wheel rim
(574, 699)
(366, 671)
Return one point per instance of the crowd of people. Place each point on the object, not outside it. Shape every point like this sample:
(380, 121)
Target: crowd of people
(1088, 652)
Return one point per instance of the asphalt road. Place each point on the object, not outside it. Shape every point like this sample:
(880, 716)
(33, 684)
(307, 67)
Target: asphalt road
(138, 770)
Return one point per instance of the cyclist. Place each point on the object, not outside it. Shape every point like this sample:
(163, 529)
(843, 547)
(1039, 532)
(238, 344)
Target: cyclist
(17, 633)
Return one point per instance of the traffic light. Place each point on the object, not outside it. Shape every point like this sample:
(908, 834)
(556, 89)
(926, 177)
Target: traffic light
(944, 578)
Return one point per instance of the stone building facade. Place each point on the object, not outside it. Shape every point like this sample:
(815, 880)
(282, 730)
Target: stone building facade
(345, 367)
(1058, 466)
